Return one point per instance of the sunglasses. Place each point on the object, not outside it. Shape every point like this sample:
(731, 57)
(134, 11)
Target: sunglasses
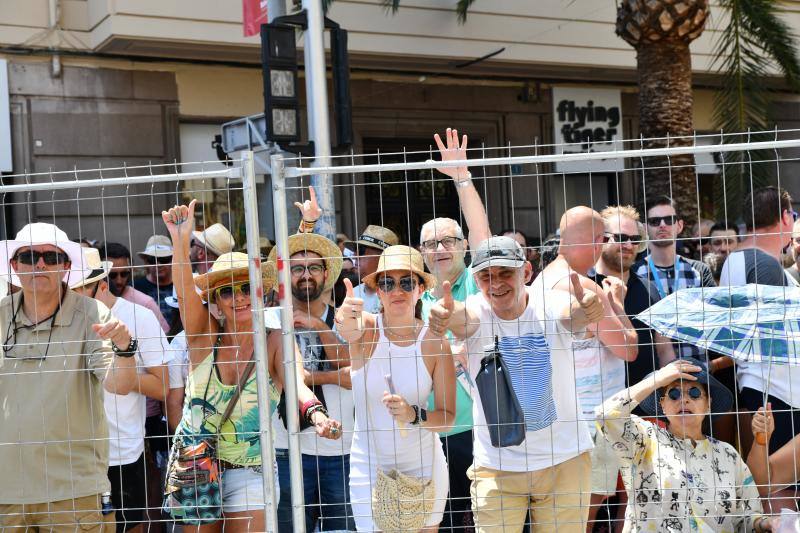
(675, 393)
(624, 237)
(299, 270)
(448, 243)
(122, 275)
(31, 257)
(226, 293)
(407, 284)
(668, 220)
(159, 260)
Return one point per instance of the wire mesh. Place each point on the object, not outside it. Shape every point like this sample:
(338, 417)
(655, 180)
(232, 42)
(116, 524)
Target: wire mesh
(506, 409)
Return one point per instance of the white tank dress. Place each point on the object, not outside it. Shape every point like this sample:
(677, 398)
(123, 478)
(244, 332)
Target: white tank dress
(418, 452)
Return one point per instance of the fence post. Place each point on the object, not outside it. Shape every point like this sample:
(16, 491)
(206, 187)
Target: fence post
(259, 341)
(287, 328)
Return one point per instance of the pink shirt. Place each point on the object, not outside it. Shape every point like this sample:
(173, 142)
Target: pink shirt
(140, 298)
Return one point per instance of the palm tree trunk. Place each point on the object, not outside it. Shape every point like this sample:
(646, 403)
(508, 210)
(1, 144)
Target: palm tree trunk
(665, 109)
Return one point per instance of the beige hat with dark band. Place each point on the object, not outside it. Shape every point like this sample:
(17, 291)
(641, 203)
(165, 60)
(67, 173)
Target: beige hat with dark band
(216, 238)
(400, 258)
(100, 269)
(376, 237)
(229, 269)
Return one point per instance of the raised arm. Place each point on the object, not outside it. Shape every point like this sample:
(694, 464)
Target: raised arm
(350, 316)
(586, 306)
(468, 197)
(195, 317)
(447, 314)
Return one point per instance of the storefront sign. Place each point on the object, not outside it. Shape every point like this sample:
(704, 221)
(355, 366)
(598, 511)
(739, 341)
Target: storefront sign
(5, 120)
(254, 14)
(587, 120)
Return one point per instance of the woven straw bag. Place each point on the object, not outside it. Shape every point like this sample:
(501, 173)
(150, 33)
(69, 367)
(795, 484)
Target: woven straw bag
(401, 502)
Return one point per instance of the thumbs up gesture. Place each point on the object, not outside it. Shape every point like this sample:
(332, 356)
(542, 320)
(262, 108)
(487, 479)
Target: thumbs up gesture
(348, 317)
(589, 305)
(441, 312)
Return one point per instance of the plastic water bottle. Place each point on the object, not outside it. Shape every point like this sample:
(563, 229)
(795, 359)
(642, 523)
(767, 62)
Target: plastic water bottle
(105, 501)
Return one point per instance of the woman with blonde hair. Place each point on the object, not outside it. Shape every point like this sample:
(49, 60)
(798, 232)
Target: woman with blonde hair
(396, 363)
(221, 395)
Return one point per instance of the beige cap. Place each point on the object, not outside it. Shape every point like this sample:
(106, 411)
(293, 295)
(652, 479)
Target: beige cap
(100, 269)
(216, 238)
(376, 237)
(157, 246)
(401, 258)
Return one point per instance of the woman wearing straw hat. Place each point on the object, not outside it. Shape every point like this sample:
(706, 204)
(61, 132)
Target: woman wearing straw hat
(220, 339)
(396, 362)
(677, 478)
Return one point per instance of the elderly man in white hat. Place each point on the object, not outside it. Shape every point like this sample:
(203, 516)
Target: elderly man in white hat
(157, 283)
(126, 414)
(208, 245)
(315, 263)
(61, 350)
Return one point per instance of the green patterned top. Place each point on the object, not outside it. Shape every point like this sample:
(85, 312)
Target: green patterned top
(206, 400)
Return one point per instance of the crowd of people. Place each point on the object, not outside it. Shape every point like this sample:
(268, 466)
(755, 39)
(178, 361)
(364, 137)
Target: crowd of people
(477, 382)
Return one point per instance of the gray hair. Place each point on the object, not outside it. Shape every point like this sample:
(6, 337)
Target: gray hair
(432, 224)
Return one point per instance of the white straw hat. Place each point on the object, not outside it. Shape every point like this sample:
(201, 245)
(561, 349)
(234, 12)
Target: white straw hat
(99, 268)
(39, 233)
(216, 238)
(157, 246)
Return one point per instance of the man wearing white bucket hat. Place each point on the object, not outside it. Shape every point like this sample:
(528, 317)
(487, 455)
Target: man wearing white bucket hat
(58, 359)
(208, 245)
(126, 414)
(157, 283)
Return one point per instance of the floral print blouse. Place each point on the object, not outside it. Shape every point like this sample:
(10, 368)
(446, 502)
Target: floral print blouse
(677, 484)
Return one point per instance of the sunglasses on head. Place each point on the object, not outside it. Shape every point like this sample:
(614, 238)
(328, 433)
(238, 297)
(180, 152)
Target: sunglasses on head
(30, 257)
(675, 393)
(624, 237)
(226, 293)
(668, 220)
(407, 284)
(158, 260)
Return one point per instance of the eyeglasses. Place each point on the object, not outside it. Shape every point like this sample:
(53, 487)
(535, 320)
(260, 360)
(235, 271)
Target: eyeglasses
(668, 220)
(675, 393)
(226, 293)
(387, 284)
(158, 260)
(31, 257)
(299, 270)
(448, 243)
(125, 274)
(624, 238)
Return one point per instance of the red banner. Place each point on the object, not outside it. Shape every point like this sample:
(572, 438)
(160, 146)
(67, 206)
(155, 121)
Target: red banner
(254, 15)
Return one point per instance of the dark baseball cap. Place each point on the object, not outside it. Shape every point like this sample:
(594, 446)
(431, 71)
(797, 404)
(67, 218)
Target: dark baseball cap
(499, 252)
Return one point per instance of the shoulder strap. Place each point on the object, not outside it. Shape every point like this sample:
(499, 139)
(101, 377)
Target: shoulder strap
(235, 398)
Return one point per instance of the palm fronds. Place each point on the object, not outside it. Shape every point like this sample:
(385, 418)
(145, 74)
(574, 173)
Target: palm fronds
(462, 8)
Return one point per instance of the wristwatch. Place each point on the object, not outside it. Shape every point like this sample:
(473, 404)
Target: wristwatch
(129, 352)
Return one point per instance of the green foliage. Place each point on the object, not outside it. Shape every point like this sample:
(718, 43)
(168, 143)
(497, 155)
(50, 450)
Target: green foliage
(755, 41)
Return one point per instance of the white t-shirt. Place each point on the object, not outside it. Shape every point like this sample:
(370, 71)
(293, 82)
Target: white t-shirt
(338, 401)
(179, 361)
(372, 304)
(126, 414)
(537, 351)
(599, 374)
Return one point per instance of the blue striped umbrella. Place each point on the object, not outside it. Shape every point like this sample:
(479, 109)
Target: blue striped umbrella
(752, 323)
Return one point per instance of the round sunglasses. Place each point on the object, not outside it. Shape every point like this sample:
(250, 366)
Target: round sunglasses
(675, 393)
(406, 283)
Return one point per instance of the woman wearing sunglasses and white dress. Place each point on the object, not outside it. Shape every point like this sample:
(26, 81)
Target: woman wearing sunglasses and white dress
(396, 363)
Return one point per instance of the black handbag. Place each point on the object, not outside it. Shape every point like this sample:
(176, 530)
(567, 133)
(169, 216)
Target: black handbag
(504, 417)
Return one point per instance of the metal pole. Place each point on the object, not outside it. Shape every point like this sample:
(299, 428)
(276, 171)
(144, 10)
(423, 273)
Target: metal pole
(318, 124)
(287, 328)
(260, 343)
(275, 8)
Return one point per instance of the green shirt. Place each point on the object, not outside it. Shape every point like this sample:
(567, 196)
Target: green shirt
(463, 287)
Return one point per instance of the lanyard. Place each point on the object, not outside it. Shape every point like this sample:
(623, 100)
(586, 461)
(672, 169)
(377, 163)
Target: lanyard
(656, 273)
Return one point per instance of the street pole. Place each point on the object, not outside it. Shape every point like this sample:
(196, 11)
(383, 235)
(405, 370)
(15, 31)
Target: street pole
(318, 124)
(275, 8)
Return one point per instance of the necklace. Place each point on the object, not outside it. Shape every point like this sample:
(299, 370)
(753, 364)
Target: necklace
(389, 333)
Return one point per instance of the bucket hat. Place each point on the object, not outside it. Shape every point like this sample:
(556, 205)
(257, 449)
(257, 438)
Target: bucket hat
(325, 248)
(39, 233)
(400, 258)
(216, 238)
(99, 268)
(157, 246)
(232, 268)
(721, 397)
(373, 236)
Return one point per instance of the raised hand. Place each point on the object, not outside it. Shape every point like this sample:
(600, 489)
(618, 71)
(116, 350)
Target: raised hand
(615, 290)
(441, 311)
(115, 331)
(453, 152)
(310, 211)
(679, 369)
(348, 317)
(180, 221)
(590, 303)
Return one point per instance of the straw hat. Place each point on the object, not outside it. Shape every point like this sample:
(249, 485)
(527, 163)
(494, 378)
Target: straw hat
(157, 246)
(40, 233)
(216, 238)
(232, 268)
(400, 258)
(100, 269)
(376, 237)
(325, 248)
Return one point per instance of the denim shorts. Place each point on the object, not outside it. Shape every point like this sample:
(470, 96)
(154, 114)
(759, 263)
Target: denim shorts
(243, 489)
